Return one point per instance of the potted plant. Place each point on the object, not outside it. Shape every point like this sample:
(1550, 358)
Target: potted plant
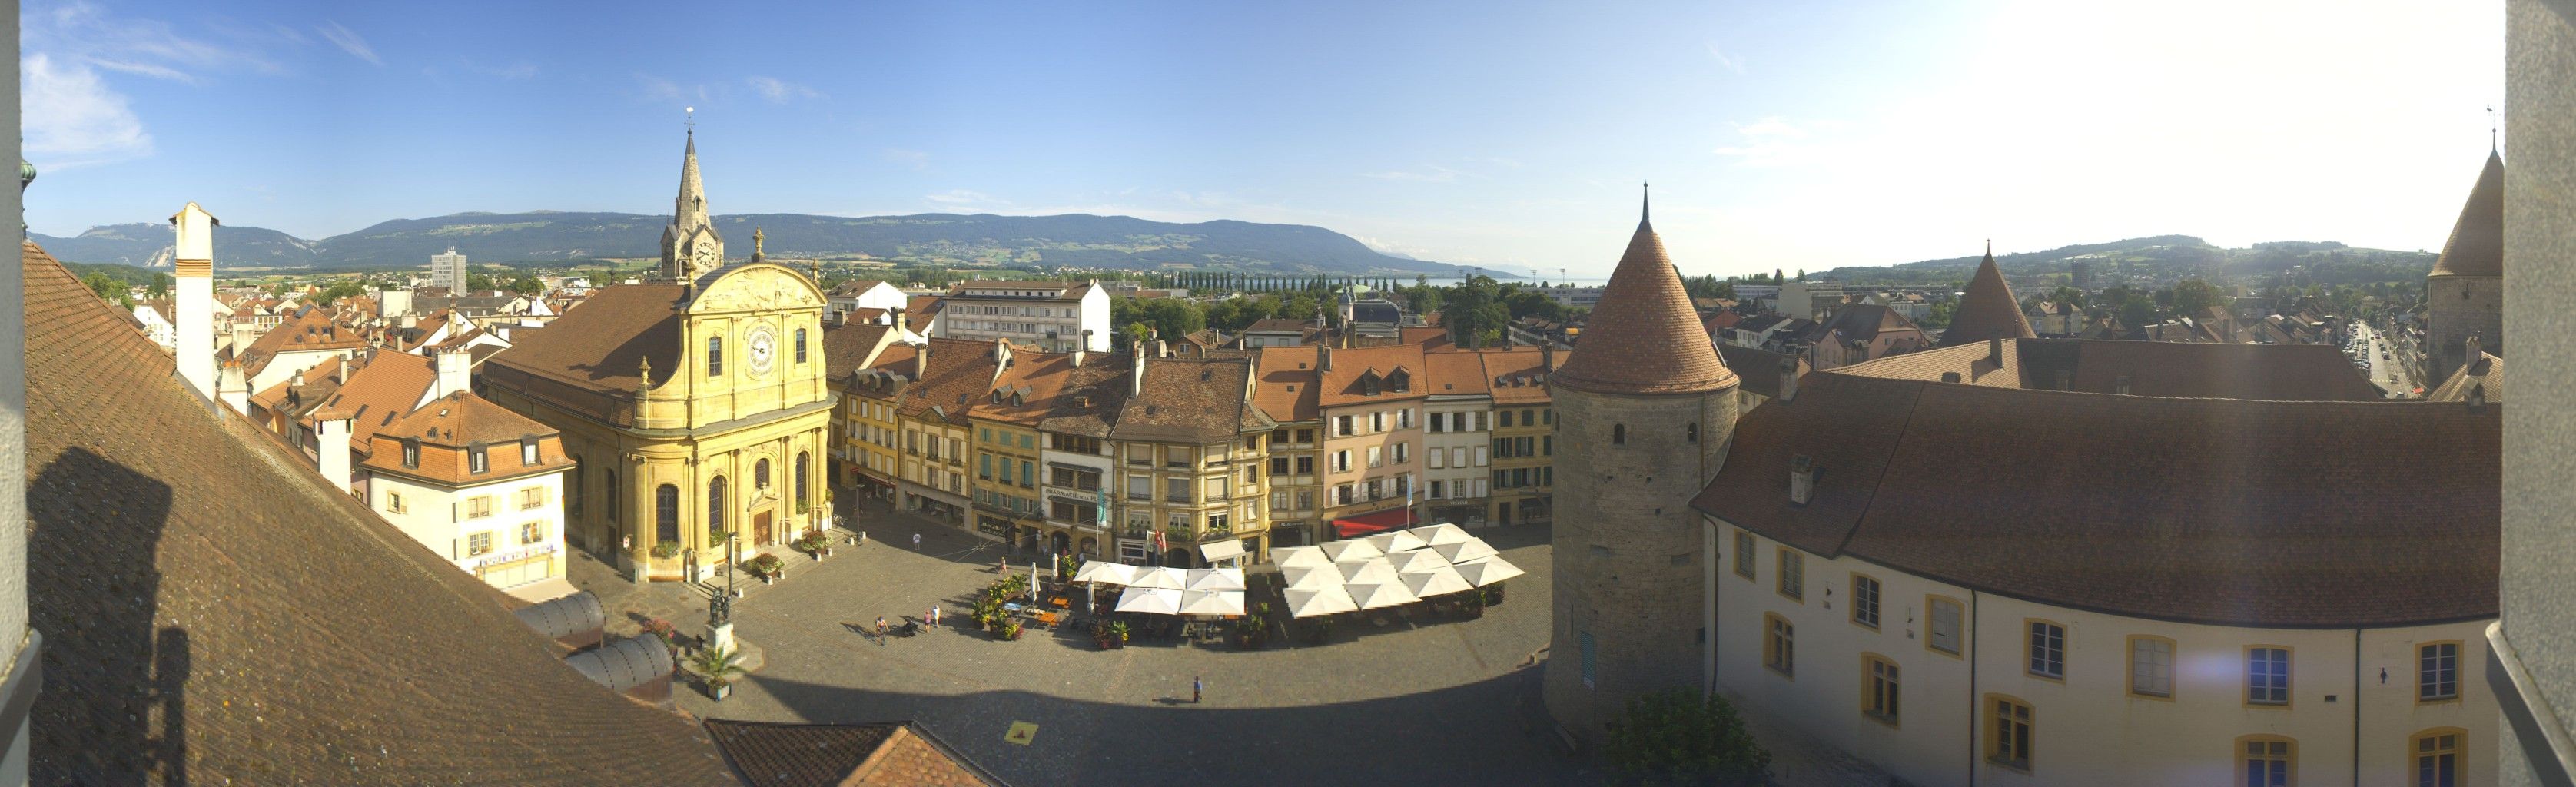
(1319, 630)
(988, 612)
(1010, 629)
(1472, 606)
(1112, 634)
(663, 630)
(715, 538)
(719, 666)
(666, 550)
(814, 543)
(765, 566)
(1494, 595)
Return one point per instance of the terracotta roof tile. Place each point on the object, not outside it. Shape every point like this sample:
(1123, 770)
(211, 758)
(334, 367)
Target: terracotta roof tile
(1342, 380)
(353, 656)
(2276, 372)
(379, 391)
(600, 344)
(1520, 374)
(891, 754)
(2476, 247)
(961, 372)
(849, 347)
(1190, 400)
(2315, 514)
(1760, 369)
(1456, 374)
(1093, 394)
(1644, 337)
(1289, 384)
(1987, 309)
(2484, 375)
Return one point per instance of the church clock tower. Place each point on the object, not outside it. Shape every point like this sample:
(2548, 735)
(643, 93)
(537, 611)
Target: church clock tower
(690, 245)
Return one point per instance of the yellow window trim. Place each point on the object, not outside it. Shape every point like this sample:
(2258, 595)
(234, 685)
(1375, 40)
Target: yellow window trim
(2129, 675)
(1853, 614)
(2241, 757)
(1781, 558)
(2245, 686)
(1867, 675)
(1963, 625)
(2456, 693)
(2065, 648)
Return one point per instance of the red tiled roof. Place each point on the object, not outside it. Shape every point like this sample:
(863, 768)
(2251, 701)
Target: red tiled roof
(1644, 337)
(143, 509)
(1289, 385)
(2476, 247)
(2219, 511)
(600, 344)
(1341, 383)
(1987, 309)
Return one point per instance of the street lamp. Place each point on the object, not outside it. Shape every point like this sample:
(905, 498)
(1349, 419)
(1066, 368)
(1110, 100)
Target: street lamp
(720, 613)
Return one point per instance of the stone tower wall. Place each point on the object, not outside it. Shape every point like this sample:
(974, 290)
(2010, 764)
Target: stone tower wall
(1628, 555)
(2456, 308)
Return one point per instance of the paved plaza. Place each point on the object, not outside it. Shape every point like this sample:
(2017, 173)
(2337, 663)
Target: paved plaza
(1433, 701)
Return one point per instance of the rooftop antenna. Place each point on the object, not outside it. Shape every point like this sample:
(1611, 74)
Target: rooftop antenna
(2491, 128)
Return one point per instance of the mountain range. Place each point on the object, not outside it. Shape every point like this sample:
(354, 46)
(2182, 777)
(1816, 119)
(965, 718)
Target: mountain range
(2315, 262)
(935, 239)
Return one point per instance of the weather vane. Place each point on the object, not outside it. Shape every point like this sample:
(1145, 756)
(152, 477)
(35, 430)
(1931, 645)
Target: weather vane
(2491, 126)
(692, 115)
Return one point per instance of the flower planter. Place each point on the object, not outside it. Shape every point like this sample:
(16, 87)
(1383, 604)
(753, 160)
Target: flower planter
(721, 690)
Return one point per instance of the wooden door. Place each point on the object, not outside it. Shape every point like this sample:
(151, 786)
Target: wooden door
(760, 528)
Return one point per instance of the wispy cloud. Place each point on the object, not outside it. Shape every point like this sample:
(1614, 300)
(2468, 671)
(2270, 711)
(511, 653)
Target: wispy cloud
(915, 159)
(518, 70)
(72, 119)
(348, 41)
(780, 92)
(1733, 63)
(78, 33)
(1776, 142)
(1430, 174)
(659, 89)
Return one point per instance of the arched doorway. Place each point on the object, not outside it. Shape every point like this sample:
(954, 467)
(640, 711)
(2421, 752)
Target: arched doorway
(1063, 543)
(1178, 558)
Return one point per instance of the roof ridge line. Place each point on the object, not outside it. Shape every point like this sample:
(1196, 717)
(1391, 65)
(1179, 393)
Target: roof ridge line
(1843, 544)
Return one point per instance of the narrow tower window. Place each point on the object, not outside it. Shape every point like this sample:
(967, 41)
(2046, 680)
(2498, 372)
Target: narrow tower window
(1693, 433)
(1618, 434)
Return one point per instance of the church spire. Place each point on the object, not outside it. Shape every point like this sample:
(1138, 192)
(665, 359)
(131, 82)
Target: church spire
(1645, 203)
(690, 244)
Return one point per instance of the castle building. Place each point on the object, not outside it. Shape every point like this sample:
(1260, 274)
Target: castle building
(1987, 309)
(2464, 295)
(1644, 410)
(691, 406)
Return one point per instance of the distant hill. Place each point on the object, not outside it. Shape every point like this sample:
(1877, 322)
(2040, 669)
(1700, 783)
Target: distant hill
(146, 245)
(953, 240)
(2323, 262)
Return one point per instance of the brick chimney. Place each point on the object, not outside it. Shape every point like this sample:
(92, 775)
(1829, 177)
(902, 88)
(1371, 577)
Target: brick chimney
(331, 449)
(1324, 358)
(193, 268)
(455, 372)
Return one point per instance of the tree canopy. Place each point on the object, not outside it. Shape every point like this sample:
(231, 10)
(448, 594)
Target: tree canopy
(1678, 736)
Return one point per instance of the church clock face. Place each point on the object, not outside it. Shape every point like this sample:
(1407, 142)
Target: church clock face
(706, 256)
(764, 350)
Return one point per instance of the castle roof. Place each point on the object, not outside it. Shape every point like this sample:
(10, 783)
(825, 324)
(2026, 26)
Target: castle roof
(2476, 247)
(1987, 310)
(1644, 337)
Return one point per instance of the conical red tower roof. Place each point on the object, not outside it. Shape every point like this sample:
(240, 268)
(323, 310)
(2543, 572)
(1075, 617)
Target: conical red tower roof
(2476, 247)
(1988, 309)
(1644, 337)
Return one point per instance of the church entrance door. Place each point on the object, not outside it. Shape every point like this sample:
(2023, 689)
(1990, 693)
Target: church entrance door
(760, 528)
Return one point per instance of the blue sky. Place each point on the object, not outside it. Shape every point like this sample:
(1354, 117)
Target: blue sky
(1513, 135)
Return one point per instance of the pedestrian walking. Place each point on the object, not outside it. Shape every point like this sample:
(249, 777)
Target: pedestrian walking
(881, 632)
(1195, 688)
(932, 616)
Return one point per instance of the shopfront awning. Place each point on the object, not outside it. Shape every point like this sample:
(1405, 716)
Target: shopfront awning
(1364, 524)
(1228, 549)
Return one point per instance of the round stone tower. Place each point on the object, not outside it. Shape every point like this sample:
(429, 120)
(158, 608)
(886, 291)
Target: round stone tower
(2464, 295)
(1644, 412)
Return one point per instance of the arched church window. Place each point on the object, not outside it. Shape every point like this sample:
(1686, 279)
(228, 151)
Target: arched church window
(760, 474)
(715, 506)
(715, 355)
(666, 514)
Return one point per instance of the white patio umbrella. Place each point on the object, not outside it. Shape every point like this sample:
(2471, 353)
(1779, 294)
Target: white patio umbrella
(1156, 601)
(1213, 579)
(1211, 602)
(1487, 571)
(1374, 570)
(1462, 551)
(1106, 573)
(1351, 550)
(1443, 533)
(1376, 595)
(1325, 600)
(1394, 541)
(1162, 578)
(1416, 561)
(1293, 557)
(1312, 577)
(1437, 582)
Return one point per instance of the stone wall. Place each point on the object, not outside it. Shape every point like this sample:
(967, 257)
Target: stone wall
(1627, 547)
(2456, 308)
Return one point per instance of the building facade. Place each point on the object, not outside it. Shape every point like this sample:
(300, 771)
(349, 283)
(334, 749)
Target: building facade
(1371, 405)
(1289, 387)
(1190, 463)
(1457, 422)
(480, 485)
(1056, 316)
(2464, 295)
(448, 270)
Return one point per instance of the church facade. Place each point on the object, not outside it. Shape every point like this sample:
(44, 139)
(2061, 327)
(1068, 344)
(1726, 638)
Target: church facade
(693, 405)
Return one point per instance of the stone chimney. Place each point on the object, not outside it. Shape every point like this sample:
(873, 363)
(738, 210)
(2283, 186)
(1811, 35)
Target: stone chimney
(232, 388)
(1136, 373)
(1162, 349)
(1802, 479)
(2477, 397)
(331, 451)
(1324, 358)
(2469, 350)
(921, 362)
(1546, 355)
(1788, 380)
(193, 267)
(455, 372)
(899, 323)
(1995, 349)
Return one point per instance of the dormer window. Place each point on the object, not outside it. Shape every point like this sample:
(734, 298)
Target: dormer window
(1400, 381)
(477, 459)
(1368, 384)
(411, 453)
(528, 452)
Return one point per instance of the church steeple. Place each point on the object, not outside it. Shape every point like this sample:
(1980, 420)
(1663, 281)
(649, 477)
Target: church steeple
(690, 245)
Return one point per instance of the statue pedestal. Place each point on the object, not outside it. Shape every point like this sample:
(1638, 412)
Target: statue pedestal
(720, 637)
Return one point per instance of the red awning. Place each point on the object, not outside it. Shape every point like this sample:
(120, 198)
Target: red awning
(1364, 524)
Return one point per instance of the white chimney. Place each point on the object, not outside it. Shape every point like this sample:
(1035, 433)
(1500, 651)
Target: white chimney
(232, 388)
(1802, 480)
(455, 372)
(1136, 373)
(194, 269)
(331, 433)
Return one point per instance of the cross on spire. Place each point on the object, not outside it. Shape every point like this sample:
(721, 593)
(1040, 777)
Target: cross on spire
(2491, 128)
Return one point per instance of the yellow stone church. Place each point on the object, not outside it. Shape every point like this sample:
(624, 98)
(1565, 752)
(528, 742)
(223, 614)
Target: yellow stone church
(692, 405)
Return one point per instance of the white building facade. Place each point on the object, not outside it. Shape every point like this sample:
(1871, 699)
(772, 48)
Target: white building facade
(448, 270)
(1056, 316)
(1457, 461)
(1939, 684)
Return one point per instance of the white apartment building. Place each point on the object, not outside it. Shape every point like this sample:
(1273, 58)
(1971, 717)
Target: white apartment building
(479, 485)
(1054, 315)
(448, 270)
(1457, 433)
(851, 296)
